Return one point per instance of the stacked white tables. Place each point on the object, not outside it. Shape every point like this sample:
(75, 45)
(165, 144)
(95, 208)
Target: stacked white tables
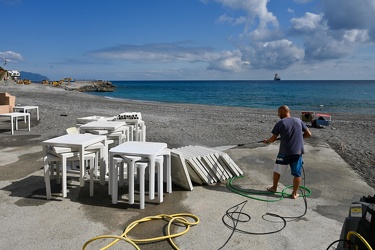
(107, 126)
(84, 120)
(26, 109)
(147, 150)
(80, 142)
(14, 117)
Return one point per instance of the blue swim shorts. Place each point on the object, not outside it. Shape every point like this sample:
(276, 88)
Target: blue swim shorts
(294, 160)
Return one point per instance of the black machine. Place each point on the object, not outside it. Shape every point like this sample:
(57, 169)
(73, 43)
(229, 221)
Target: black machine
(359, 227)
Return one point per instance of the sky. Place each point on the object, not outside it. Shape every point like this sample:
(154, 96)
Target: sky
(190, 39)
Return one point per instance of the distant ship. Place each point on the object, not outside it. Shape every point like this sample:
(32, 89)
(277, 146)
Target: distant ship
(277, 77)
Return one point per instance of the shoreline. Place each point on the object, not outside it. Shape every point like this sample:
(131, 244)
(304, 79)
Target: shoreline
(350, 135)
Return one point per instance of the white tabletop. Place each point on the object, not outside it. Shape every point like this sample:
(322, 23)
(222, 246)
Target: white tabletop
(102, 124)
(14, 114)
(26, 107)
(139, 148)
(74, 140)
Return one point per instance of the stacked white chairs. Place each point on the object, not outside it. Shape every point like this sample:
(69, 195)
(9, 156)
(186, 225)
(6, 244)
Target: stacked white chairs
(56, 156)
(134, 119)
(95, 148)
(117, 134)
(136, 164)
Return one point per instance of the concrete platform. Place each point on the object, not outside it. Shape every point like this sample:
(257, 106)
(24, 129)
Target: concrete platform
(29, 221)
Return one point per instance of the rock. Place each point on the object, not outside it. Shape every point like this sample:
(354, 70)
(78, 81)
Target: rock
(91, 86)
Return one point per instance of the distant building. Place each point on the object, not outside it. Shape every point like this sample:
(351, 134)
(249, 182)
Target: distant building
(14, 74)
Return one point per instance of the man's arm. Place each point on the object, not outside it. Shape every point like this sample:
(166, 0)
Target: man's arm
(306, 133)
(271, 139)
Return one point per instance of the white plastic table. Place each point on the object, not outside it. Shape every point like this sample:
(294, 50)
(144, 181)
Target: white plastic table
(102, 125)
(136, 148)
(25, 109)
(80, 142)
(14, 117)
(110, 126)
(140, 129)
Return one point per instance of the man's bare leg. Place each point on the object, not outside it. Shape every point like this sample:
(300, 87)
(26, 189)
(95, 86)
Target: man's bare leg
(296, 183)
(276, 178)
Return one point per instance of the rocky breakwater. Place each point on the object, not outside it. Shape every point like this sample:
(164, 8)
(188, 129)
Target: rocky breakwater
(90, 86)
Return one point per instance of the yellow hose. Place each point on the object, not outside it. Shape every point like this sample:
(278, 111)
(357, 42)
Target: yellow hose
(350, 233)
(173, 218)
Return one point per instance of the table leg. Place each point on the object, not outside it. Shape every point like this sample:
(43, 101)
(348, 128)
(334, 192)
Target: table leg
(64, 176)
(131, 166)
(111, 162)
(28, 120)
(152, 177)
(160, 182)
(11, 123)
(104, 162)
(46, 177)
(82, 166)
(37, 113)
(114, 184)
(142, 186)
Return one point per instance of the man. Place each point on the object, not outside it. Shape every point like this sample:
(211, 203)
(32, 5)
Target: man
(292, 131)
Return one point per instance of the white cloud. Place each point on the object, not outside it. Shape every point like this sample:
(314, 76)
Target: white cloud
(355, 35)
(157, 52)
(254, 9)
(349, 14)
(172, 53)
(278, 54)
(262, 42)
(308, 23)
(234, 21)
(334, 33)
(322, 42)
(302, 1)
(11, 56)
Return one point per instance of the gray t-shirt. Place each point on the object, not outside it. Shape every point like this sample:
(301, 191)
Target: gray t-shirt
(291, 131)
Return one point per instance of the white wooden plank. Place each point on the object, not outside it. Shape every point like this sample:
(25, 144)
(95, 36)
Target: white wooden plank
(180, 174)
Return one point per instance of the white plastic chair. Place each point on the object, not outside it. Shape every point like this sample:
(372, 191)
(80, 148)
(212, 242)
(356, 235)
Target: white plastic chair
(135, 163)
(63, 158)
(95, 148)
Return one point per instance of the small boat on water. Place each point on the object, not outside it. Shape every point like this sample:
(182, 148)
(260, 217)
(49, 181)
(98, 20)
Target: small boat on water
(277, 77)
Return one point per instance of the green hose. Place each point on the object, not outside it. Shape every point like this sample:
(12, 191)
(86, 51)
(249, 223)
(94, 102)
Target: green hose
(246, 193)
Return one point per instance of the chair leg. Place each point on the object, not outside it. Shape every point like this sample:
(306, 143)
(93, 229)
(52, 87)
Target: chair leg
(47, 169)
(159, 164)
(57, 170)
(92, 168)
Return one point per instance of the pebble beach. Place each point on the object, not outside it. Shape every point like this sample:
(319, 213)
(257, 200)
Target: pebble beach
(32, 222)
(350, 135)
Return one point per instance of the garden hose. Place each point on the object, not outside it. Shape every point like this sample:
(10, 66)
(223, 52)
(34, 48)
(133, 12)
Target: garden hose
(173, 219)
(350, 233)
(246, 193)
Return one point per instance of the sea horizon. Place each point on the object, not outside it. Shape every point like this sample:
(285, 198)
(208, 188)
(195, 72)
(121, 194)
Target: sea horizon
(343, 96)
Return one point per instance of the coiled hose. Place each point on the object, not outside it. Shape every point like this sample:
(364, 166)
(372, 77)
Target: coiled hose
(246, 193)
(173, 218)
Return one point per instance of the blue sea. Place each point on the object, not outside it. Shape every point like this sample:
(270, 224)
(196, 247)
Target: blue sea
(324, 96)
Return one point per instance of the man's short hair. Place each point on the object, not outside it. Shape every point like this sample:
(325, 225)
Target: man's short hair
(285, 108)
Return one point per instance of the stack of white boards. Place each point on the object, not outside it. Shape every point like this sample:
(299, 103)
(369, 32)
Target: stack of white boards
(201, 165)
